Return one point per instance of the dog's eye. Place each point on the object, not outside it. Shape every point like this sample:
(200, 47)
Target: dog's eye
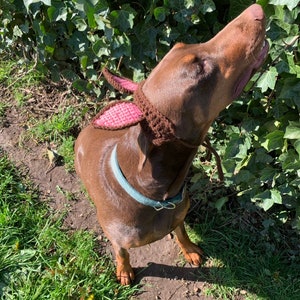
(204, 69)
(196, 67)
(199, 68)
(193, 70)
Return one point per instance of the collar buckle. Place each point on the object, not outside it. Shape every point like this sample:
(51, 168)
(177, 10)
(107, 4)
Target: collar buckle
(166, 205)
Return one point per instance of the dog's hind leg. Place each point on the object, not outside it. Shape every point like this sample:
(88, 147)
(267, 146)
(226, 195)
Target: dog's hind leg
(191, 251)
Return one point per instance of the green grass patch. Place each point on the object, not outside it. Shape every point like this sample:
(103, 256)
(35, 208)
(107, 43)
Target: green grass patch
(66, 150)
(39, 260)
(6, 68)
(56, 127)
(246, 261)
(17, 74)
(16, 77)
(58, 130)
(3, 107)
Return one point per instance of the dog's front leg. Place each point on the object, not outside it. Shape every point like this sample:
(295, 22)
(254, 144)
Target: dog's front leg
(191, 251)
(125, 274)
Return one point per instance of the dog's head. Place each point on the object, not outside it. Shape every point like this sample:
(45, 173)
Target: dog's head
(193, 83)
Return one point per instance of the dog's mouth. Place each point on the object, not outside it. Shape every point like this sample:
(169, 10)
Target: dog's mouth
(245, 77)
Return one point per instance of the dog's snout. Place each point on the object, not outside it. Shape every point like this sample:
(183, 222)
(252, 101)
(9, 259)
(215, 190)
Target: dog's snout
(256, 11)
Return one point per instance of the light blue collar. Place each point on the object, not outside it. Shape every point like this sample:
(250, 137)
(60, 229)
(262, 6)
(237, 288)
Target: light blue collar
(170, 203)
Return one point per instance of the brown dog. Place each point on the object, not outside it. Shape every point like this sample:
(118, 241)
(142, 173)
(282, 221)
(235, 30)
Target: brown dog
(134, 158)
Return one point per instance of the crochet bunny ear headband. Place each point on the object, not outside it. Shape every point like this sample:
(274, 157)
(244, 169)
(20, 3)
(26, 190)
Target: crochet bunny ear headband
(123, 114)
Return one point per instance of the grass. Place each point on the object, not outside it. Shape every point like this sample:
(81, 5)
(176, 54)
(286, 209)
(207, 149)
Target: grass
(17, 77)
(3, 108)
(250, 254)
(55, 127)
(246, 260)
(56, 130)
(39, 260)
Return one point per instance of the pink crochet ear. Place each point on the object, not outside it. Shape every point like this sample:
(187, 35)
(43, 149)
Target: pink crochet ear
(125, 83)
(120, 83)
(118, 115)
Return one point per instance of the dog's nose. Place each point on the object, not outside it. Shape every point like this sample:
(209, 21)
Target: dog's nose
(257, 12)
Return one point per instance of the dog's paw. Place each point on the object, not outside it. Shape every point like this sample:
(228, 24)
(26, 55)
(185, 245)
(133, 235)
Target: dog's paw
(193, 254)
(125, 274)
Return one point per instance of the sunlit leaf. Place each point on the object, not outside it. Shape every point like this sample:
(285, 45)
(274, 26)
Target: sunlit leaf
(57, 13)
(27, 3)
(273, 140)
(207, 6)
(268, 79)
(291, 4)
(276, 196)
(264, 200)
(292, 131)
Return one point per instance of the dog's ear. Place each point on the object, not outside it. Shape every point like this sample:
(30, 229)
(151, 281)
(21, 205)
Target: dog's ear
(118, 115)
(120, 83)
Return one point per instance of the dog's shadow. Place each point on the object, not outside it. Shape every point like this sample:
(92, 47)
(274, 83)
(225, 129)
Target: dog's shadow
(161, 259)
(169, 272)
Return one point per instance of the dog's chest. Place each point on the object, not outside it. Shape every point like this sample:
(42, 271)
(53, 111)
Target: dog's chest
(144, 229)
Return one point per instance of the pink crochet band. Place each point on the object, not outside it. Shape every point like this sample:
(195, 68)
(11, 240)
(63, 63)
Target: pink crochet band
(119, 115)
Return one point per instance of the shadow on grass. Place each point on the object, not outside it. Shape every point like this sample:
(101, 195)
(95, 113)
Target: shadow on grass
(261, 263)
(242, 262)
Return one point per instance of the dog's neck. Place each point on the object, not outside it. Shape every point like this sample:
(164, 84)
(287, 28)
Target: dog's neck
(158, 172)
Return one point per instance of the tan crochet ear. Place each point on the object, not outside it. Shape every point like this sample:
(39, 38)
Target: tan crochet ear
(120, 83)
(118, 115)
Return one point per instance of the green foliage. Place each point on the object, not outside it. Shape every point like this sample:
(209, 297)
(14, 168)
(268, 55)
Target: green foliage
(261, 151)
(56, 127)
(246, 260)
(38, 260)
(257, 136)
(76, 39)
(66, 150)
(3, 108)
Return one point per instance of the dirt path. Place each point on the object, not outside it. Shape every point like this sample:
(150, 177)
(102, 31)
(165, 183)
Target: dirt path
(159, 267)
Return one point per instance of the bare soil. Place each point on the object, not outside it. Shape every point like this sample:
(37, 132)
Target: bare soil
(159, 267)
